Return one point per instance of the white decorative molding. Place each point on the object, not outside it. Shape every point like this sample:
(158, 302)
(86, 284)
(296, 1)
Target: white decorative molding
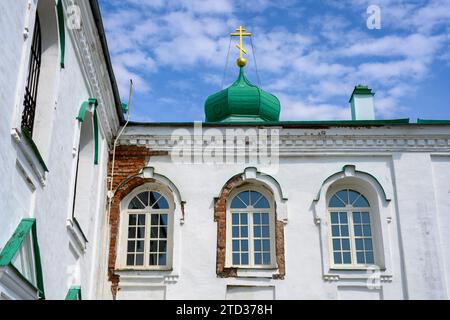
(256, 273)
(88, 50)
(146, 277)
(27, 151)
(77, 237)
(15, 286)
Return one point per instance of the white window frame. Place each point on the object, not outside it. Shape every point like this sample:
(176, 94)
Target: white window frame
(229, 235)
(349, 209)
(123, 239)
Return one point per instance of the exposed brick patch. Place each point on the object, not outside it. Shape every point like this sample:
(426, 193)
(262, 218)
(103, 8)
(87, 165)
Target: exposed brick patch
(220, 215)
(129, 161)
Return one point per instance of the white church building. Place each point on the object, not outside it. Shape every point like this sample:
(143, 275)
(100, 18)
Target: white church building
(240, 206)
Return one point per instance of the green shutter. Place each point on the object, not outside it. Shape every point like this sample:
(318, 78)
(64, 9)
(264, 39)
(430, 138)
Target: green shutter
(62, 32)
(74, 294)
(15, 242)
(81, 116)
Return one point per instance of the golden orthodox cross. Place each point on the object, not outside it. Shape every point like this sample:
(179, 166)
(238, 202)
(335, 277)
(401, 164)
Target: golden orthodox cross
(240, 32)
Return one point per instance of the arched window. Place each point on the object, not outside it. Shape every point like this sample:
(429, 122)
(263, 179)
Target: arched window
(351, 229)
(149, 219)
(40, 87)
(251, 230)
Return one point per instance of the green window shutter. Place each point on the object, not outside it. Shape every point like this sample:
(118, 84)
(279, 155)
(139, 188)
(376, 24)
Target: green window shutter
(15, 242)
(74, 294)
(81, 116)
(62, 32)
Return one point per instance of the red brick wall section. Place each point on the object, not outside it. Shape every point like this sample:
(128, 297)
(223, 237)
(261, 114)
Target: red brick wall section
(129, 161)
(220, 214)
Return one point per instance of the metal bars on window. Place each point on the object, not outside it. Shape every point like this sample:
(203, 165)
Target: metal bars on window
(31, 89)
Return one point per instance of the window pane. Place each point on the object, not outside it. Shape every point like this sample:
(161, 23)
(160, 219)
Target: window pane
(258, 258)
(365, 217)
(132, 232)
(163, 219)
(235, 218)
(163, 232)
(154, 233)
(263, 203)
(162, 259)
(139, 259)
(144, 198)
(343, 218)
(245, 197)
(244, 259)
(265, 232)
(236, 259)
(353, 195)
(140, 232)
(235, 232)
(136, 204)
(369, 257)
(153, 260)
(347, 257)
(244, 219)
(334, 218)
(266, 245)
(132, 220)
(155, 219)
(139, 246)
(346, 244)
(368, 244)
(337, 258)
(343, 195)
(367, 232)
(258, 245)
(356, 217)
(358, 231)
(266, 258)
(254, 197)
(256, 218)
(237, 204)
(236, 245)
(344, 231)
(336, 244)
(161, 204)
(335, 231)
(154, 196)
(153, 246)
(130, 260)
(359, 243)
(244, 232)
(141, 219)
(163, 246)
(131, 246)
(335, 202)
(360, 258)
(244, 245)
(361, 202)
(264, 218)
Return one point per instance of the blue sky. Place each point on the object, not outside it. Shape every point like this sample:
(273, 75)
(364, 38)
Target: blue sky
(309, 53)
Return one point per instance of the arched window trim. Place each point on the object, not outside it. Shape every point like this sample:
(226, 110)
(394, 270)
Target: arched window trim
(124, 218)
(360, 181)
(272, 220)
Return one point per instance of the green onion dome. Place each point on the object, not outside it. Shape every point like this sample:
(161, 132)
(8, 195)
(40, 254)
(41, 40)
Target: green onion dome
(242, 101)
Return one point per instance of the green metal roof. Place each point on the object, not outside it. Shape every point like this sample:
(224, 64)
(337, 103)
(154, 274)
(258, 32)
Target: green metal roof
(361, 90)
(242, 102)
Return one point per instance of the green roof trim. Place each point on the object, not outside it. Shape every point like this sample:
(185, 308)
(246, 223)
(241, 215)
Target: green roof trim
(74, 293)
(13, 245)
(422, 121)
(361, 90)
(242, 101)
(29, 139)
(326, 123)
(82, 115)
(62, 32)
